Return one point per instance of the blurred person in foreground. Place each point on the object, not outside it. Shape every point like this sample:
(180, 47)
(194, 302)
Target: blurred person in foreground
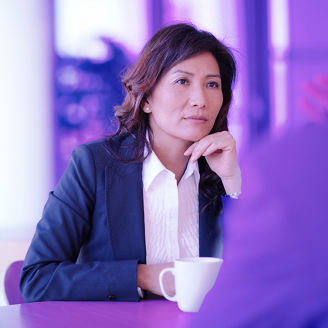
(275, 272)
(129, 205)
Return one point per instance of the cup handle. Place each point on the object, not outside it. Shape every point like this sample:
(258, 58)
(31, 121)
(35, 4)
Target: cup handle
(161, 285)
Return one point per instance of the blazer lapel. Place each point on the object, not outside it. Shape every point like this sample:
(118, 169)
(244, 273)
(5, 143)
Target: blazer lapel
(125, 210)
(209, 229)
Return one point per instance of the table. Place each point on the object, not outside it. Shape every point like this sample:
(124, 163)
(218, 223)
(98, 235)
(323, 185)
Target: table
(146, 313)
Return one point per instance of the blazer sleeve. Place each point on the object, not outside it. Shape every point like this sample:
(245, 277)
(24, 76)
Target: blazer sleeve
(50, 271)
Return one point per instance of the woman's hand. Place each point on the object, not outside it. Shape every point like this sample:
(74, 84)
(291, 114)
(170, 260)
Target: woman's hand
(220, 152)
(148, 278)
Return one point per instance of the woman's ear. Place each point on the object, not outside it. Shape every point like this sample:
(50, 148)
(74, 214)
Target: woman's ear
(146, 108)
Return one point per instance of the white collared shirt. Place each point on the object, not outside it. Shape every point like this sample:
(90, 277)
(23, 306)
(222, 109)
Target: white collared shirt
(171, 212)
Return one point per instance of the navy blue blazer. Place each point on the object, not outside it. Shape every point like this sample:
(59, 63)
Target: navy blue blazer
(91, 235)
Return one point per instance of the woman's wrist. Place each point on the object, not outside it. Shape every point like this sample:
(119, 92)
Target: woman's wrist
(141, 273)
(148, 274)
(232, 184)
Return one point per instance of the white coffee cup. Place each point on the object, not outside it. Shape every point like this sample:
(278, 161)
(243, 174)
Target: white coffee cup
(194, 277)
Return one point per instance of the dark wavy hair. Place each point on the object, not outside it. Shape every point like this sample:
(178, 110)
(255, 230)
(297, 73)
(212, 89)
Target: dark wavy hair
(168, 47)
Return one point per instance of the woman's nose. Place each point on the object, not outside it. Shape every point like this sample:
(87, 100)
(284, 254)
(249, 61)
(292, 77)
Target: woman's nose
(197, 97)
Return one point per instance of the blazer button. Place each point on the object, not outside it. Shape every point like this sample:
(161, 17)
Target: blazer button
(111, 297)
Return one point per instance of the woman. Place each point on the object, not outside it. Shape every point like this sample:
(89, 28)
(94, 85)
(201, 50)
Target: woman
(127, 206)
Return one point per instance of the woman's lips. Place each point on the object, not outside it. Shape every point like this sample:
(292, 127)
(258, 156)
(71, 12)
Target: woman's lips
(196, 118)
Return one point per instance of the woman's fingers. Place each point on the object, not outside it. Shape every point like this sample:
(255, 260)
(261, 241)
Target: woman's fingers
(220, 152)
(213, 143)
(213, 148)
(189, 151)
(198, 151)
(195, 151)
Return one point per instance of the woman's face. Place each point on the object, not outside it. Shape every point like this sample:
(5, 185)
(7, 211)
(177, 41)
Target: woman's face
(186, 101)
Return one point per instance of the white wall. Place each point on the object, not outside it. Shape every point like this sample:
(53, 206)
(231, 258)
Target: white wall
(26, 125)
(26, 114)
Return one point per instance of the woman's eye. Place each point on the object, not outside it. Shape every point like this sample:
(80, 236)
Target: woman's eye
(182, 81)
(213, 84)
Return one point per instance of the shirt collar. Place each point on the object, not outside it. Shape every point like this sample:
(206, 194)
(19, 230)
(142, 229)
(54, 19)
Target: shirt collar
(152, 167)
(192, 168)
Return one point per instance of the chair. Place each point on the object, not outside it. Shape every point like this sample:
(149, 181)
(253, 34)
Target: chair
(12, 283)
